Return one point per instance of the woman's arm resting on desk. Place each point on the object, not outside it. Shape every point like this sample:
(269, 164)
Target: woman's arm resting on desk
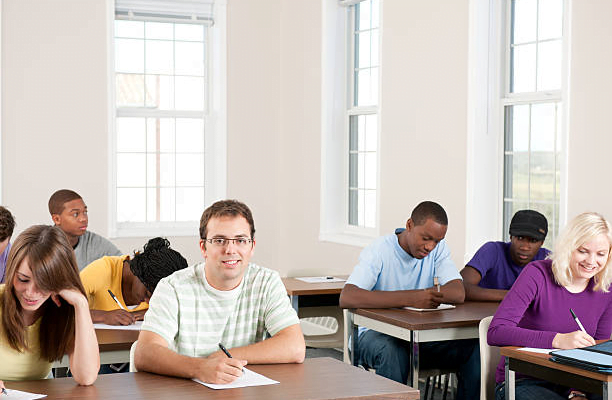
(85, 356)
(287, 346)
(471, 279)
(355, 297)
(153, 355)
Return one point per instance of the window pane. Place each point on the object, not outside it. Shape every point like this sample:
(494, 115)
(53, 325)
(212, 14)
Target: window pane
(129, 55)
(543, 125)
(523, 68)
(362, 49)
(361, 133)
(542, 174)
(520, 128)
(152, 204)
(371, 132)
(189, 169)
(166, 170)
(375, 13)
(160, 57)
(152, 170)
(189, 93)
(129, 29)
(353, 167)
(129, 90)
(190, 58)
(167, 204)
(159, 30)
(191, 32)
(189, 135)
(160, 91)
(361, 170)
(550, 19)
(352, 211)
(131, 205)
(161, 134)
(131, 169)
(374, 51)
(130, 135)
(524, 21)
(189, 203)
(549, 65)
(370, 170)
(370, 208)
(366, 87)
(363, 15)
(360, 207)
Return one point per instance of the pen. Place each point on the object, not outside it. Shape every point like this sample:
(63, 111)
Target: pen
(223, 349)
(114, 298)
(578, 321)
(437, 283)
(329, 277)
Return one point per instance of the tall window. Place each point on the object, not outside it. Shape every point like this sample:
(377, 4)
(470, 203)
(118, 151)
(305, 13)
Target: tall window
(362, 113)
(532, 108)
(163, 121)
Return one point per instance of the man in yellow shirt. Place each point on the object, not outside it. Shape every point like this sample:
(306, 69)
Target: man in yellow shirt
(131, 281)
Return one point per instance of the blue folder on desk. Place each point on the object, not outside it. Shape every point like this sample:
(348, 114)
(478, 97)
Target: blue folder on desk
(596, 358)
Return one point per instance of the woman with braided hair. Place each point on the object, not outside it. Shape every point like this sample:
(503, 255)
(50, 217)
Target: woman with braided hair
(131, 281)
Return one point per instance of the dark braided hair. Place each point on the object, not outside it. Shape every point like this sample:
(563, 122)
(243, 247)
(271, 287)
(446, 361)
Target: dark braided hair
(156, 261)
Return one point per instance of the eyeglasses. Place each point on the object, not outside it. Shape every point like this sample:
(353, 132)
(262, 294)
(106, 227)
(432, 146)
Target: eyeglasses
(222, 242)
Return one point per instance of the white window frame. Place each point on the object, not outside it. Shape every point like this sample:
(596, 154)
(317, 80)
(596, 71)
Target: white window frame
(488, 86)
(337, 100)
(215, 127)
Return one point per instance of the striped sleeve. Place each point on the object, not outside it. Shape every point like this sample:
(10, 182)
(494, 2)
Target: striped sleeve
(163, 315)
(278, 313)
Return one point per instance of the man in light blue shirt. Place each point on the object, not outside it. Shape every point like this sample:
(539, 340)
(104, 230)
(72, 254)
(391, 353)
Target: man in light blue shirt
(398, 270)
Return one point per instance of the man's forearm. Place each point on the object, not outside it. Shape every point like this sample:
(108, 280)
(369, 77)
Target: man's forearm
(355, 297)
(477, 293)
(453, 292)
(152, 357)
(287, 346)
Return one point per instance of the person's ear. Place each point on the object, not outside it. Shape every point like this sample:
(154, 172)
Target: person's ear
(203, 247)
(57, 219)
(409, 224)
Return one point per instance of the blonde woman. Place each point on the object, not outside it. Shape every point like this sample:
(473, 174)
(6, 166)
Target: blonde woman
(536, 310)
(44, 311)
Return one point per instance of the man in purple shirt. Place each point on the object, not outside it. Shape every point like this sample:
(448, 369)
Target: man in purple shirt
(7, 224)
(496, 265)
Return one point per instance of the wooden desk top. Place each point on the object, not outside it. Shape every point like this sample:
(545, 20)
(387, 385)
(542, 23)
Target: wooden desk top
(316, 379)
(543, 360)
(112, 339)
(299, 288)
(467, 314)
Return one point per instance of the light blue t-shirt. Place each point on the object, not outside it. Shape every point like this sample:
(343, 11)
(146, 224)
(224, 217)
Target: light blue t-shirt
(384, 265)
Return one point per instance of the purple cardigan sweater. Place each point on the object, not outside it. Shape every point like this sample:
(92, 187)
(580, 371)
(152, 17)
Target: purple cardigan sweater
(536, 308)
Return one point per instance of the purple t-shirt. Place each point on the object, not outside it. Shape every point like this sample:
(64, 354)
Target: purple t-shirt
(3, 258)
(496, 267)
(536, 308)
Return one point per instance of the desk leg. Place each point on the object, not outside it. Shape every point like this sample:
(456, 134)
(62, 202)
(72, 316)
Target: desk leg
(294, 302)
(510, 388)
(354, 335)
(606, 391)
(414, 359)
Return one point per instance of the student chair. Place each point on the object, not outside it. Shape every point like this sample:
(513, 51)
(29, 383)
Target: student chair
(322, 314)
(489, 357)
(132, 350)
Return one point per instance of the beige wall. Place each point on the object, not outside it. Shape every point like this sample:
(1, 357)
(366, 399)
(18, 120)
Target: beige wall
(55, 125)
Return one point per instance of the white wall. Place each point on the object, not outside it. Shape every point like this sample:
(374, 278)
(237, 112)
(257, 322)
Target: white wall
(55, 128)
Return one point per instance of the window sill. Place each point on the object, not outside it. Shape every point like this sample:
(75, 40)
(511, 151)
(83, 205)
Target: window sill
(351, 239)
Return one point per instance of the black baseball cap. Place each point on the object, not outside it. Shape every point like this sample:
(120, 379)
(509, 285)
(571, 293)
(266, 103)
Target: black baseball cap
(529, 223)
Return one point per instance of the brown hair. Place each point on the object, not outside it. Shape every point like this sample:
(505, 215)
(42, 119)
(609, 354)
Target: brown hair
(61, 197)
(224, 208)
(7, 224)
(54, 267)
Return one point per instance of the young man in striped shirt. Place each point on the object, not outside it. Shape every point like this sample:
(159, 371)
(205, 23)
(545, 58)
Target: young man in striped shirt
(225, 300)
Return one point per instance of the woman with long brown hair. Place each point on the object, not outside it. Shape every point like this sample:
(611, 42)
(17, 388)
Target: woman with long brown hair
(44, 311)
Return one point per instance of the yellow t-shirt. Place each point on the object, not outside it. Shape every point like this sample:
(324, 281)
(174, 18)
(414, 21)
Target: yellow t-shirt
(17, 365)
(101, 275)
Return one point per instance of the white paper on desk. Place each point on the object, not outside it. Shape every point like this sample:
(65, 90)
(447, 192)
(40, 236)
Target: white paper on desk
(442, 306)
(320, 279)
(19, 395)
(537, 350)
(248, 378)
(136, 326)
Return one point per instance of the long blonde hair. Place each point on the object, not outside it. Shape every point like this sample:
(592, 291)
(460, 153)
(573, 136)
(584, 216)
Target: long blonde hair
(53, 265)
(582, 229)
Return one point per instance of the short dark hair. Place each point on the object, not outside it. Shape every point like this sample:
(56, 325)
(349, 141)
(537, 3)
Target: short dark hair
(7, 224)
(223, 208)
(61, 197)
(156, 261)
(429, 210)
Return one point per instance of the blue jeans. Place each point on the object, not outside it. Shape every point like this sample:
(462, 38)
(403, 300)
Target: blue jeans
(535, 389)
(390, 357)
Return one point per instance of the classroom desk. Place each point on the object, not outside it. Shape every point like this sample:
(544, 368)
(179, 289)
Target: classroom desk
(415, 327)
(114, 347)
(539, 366)
(315, 379)
(317, 294)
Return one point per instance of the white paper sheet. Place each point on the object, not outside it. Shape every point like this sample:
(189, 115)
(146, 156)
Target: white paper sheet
(19, 395)
(248, 378)
(440, 307)
(320, 279)
(135, 327)
(537, 350)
